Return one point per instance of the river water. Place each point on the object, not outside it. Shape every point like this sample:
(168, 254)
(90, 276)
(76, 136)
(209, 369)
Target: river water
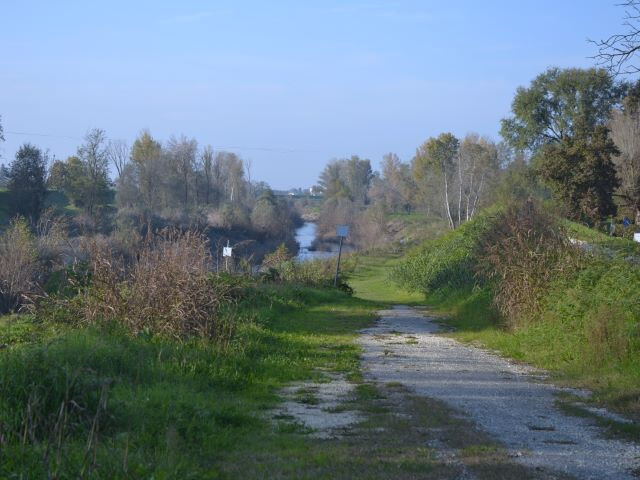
(305, 235)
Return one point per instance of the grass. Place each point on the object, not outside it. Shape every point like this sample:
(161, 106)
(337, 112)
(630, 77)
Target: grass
(174, 409)
(370, 281)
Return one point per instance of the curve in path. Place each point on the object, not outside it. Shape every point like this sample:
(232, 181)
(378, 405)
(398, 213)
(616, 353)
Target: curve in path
(502, 397)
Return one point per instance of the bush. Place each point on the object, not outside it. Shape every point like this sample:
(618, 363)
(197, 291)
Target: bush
(520, 255)
(167, 291)
(19, 260)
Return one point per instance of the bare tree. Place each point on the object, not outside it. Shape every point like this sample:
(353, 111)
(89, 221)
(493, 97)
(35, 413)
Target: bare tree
(206, 160)
(616, 51)
(119, 154)
(625, 131)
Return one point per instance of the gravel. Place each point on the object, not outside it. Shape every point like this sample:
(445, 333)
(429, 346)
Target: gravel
(507, 400)
(319, 406)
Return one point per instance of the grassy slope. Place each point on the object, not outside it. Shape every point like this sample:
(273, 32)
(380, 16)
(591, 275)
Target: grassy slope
(181, 410)
(586, 334)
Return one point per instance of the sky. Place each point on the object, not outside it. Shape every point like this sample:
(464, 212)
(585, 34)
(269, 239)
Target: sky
(288, 85)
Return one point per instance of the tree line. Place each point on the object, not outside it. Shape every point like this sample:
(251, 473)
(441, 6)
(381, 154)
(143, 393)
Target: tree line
(572, 138)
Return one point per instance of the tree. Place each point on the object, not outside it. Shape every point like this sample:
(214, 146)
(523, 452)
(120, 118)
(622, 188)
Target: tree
(557, 103)
(396, 185)
(617, 51)
(1, 130)
(146, 155)
(478, 165)
(118, 153)
(625, 132)
(437, 157)
(347, 177)
(182, 155)
(27, 174)
(94, 158)
(582, 174)
(206, 160)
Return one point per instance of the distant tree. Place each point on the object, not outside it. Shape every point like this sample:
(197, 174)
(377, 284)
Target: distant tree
(557, 103)
(580, 171)
(478, 166)
(26, 180)
(206, 161)
(4, 176)
(119, 154)
(182, 156)
(1, 130)
(437, 157)
(348, 177)
(146, 155)
(57, 175)
(331, 181)
(396, 184)
(95, 164)
(616, 53)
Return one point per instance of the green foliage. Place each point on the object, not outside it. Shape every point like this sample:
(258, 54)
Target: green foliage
(445, 263)
(582, 174)
(168, 408)
(27, 180)
(558, 104)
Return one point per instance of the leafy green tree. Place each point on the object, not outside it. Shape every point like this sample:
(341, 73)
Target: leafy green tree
(557, 103)
(437, 157)
(27, 174)
(581, 173)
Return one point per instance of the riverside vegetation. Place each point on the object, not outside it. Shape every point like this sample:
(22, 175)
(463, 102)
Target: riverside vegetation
(514, 280)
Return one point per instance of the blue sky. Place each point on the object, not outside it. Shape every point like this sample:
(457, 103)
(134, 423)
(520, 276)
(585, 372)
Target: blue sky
(287, 84)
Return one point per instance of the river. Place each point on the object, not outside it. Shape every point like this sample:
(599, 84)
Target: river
(305, 235)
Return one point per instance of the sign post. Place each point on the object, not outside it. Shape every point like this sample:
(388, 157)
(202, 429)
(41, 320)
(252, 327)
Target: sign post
(226, 253)
(341, 231)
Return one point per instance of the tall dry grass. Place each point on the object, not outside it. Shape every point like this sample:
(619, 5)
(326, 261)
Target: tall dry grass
(523, 252)
(167, 290)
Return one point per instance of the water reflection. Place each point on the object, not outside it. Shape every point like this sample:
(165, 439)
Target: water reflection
(305, 235)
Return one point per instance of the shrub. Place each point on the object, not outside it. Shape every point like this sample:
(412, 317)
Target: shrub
(19, 260)
(520, 255)
(167, 291)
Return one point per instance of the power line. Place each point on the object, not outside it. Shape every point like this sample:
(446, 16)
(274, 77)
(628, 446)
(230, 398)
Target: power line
(219, 147)
(31, 134)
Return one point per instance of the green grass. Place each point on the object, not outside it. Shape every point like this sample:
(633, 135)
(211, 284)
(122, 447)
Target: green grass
(563, 338)
(370, 281)
(615, 245)
(174, 409)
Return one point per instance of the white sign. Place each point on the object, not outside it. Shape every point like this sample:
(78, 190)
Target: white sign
(636, 237)
(342, 230)
(226, 251)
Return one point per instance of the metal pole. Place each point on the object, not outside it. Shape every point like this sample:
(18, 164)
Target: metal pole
(335, 280)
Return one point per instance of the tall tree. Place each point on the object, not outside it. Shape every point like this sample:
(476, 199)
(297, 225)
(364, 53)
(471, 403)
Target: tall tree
(206, 160)
(95, 161)
(119, 154)
(182, 155)
(580, 171)
(625, 132)
(27, 175)
(437, 156)
(146, 155)
(557, 103)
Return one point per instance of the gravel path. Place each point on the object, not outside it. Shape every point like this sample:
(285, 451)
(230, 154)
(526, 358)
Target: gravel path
(505, 399)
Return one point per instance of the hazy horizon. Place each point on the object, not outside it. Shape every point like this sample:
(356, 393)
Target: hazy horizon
(288, 86)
